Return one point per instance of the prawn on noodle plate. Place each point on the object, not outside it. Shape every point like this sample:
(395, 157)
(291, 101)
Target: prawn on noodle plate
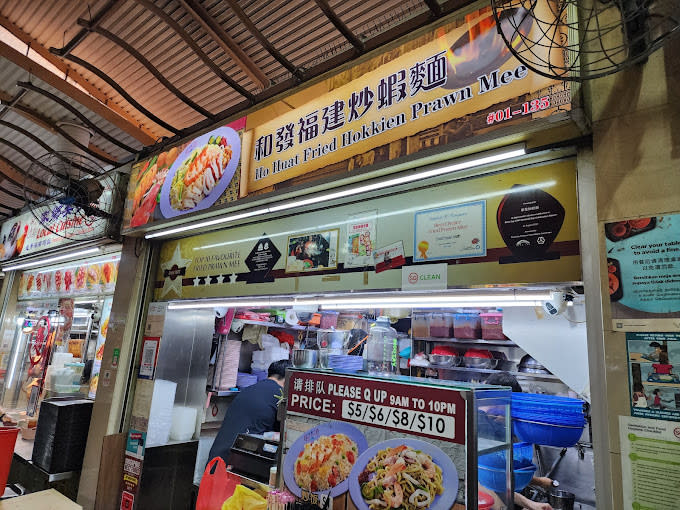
(400, 477)
(199, 173)
(325, 462)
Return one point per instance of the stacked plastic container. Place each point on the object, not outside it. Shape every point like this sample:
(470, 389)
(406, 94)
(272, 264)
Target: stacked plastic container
(547, 419)
(272, 351)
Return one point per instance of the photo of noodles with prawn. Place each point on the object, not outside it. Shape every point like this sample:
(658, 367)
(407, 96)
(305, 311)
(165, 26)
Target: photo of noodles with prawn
(406, 474)
(199, 173)
(400, 477)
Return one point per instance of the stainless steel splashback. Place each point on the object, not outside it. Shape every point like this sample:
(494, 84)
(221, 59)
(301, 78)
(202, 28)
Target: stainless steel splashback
(184, 354)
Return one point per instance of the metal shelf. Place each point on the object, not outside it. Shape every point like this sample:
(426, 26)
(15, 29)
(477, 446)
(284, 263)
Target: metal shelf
(532, 375)
(661, 384)
(278, 325)
(468, 341)
(224, 393)
(485, 446)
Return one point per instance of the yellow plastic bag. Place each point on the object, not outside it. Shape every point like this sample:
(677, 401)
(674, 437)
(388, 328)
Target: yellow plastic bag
(245, 499)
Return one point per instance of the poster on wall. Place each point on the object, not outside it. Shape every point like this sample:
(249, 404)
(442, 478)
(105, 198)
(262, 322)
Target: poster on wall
(367, 426)
(643, 272)
(191, 177)
(261, 260)
(103, 327)
(79, 279)
(529, 219)
(453, 232)
(312, 251)
(654, 374)
(650, 450)
(389, 257)
(361, 238)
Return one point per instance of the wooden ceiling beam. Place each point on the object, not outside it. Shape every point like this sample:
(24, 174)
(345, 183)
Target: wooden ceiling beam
(19, 178)
(47, 124)
(149, 5)
(340, 25)
(266, 44)
(34, 88)
(224, 40)
(89, 96)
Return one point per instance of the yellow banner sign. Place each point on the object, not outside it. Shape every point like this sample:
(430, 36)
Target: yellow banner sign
(513, 227)
(368, 113)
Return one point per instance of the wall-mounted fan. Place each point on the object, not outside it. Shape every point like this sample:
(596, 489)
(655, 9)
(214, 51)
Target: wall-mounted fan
(73, 197)
(579, 40)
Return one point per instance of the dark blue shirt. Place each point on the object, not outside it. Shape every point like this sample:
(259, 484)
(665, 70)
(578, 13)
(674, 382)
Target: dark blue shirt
(253, 411)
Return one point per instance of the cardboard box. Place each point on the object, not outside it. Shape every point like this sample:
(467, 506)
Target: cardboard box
(44, 499)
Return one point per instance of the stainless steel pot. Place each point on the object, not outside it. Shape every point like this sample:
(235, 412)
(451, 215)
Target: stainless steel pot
(561, 500)
(529, 365)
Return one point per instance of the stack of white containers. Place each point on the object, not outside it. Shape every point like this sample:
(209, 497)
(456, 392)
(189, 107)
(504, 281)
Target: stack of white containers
(183, 423)
(272, 351)
(160, 417)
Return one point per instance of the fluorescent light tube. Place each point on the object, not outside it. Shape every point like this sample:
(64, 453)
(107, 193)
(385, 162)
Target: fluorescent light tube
(464, 163)
(50, 260)
(208, 223)
(396, 300)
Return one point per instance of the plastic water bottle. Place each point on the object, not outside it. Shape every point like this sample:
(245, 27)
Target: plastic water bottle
(382, 354)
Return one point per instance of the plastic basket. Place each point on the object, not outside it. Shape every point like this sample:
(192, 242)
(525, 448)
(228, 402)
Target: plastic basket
(546, 433)
(522, 456)
(494, 479)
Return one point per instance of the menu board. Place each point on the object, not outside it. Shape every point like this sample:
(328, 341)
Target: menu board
(643, 273)
(191, 177)
(369, 430)
(84, 278)
(650, 450)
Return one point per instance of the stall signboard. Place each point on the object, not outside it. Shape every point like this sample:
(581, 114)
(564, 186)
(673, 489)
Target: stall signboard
(649, 463)
(454, 82)
(643, 272)
(24, 235)
(194, 176)
(653, 359)
(520, 246)
(72, 280)
(361, 423)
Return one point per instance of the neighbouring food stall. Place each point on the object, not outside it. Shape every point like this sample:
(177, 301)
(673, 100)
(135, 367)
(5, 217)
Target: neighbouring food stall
(57, 297)
(401, 252)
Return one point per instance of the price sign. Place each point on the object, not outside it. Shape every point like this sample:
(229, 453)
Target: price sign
(437, 413)
(405, 419)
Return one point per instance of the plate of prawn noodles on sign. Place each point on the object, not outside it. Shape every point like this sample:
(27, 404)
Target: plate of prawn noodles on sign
(320, 460)
(201, 173)
(404, 473)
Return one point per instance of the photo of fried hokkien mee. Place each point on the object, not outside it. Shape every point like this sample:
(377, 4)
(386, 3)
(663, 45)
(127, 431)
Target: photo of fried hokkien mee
(400, 477)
